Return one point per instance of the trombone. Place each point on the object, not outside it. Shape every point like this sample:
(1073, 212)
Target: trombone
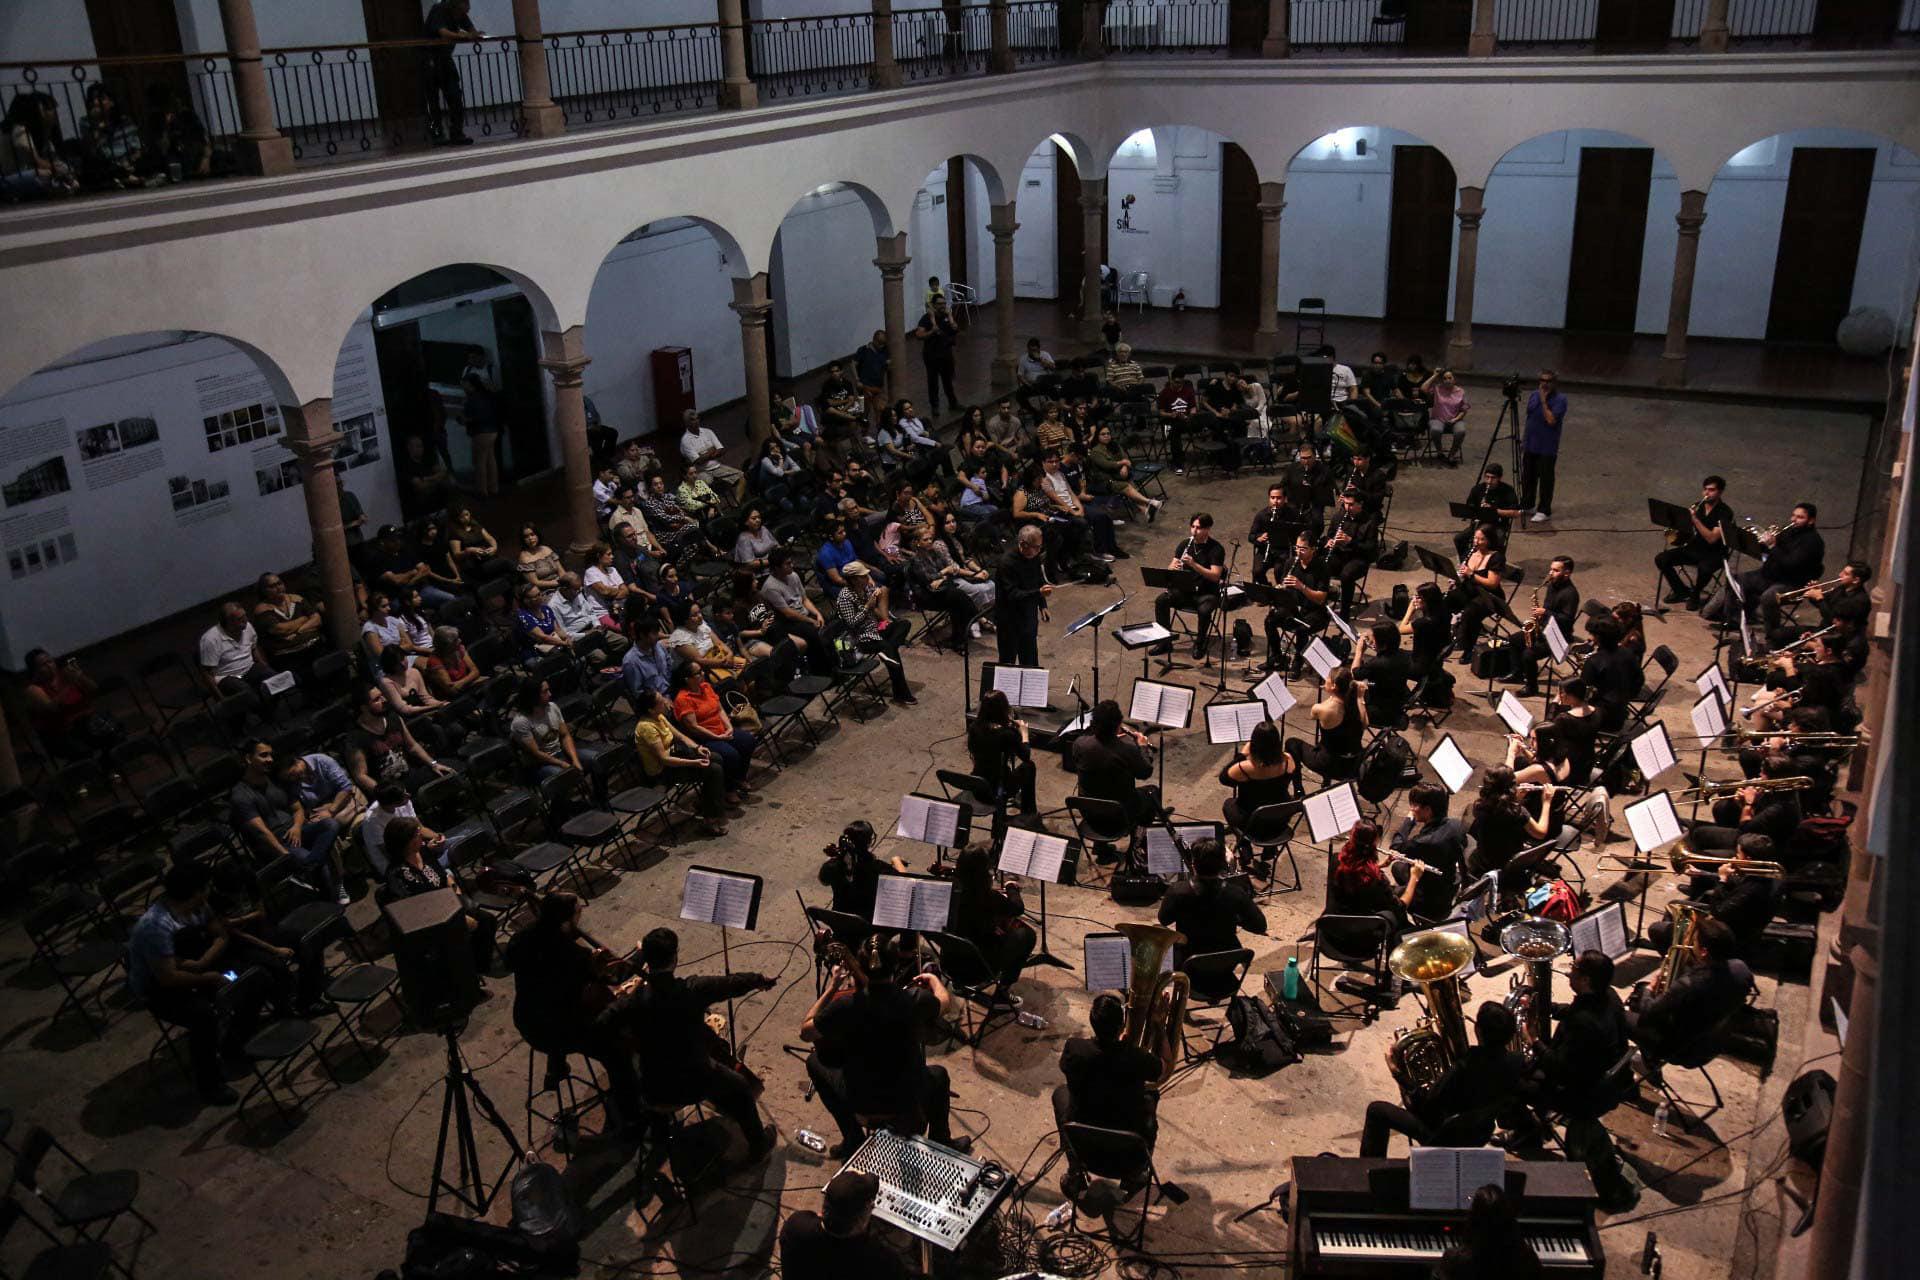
(1714, 790)
(1687, 862)
(1821, 739)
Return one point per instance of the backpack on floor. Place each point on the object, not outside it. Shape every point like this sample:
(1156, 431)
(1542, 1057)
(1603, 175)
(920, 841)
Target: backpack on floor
(1260, 1045)
(1388, 765)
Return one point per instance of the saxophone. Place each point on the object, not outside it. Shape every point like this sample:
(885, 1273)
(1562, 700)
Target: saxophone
(1527, 628)
(1421, 1056)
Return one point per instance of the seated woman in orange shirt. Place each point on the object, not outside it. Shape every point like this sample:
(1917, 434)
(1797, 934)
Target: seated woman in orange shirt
(702, 717)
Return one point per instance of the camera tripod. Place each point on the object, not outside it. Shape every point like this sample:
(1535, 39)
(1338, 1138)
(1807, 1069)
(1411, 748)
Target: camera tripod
(1509, 421)
(471, 1188)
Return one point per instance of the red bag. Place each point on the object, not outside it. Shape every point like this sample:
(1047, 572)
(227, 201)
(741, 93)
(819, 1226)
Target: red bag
(1554, 901)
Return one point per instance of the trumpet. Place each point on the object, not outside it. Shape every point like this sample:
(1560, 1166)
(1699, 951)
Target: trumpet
(1790, 597)
(1714, 790)
(1687, 862)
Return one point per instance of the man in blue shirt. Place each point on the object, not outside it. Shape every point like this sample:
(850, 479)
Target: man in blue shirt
(834, 555)
(870, 364)
(649, 663)
(1540, 446)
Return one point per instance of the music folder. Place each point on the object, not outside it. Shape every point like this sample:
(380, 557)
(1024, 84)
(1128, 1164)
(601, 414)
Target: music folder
(1653, 822)
(933, 821)
(1515, 716)
(1229, 722)
(713, 895)
(1033, 854)
(1320, 658)
(1557, 646)
(1653, 751)
(1710, 680)
(1444, 1179)
(1450, 763)
(1164, 845)
(1331, 813)
(1709, 717)
(1603, 929)
(918, 903)
(1274, 693)
(1479, 515)
(1138, 635)
(1167, 706)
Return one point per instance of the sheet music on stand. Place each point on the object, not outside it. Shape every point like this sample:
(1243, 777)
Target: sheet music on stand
(919, 903)
(1024, 686)
(1033, 854)
(1234, 721)
(1107, 959)
(1709, 717)
(1274, 693)
(1332, 813)
(1137, 635)
(1653, 751)
(1653, 822)
(1450, 763)
(1346, 630)
(1444, 1179)
(1169, 706)
(1321, 658)
(711, 895)
(1513, 715)
(1712, 681)
(1603, 929)
(1163, 850)
(1556, 639)
(931, 821)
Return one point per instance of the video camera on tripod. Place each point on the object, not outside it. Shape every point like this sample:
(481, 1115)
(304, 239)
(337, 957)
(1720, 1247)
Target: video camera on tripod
(1510, 386)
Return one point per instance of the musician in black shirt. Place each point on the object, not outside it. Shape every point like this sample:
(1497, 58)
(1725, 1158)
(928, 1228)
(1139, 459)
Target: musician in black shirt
(1021, 589)
(1210, 910)
(1771, 812)
(1735, 897)
(1372, 480)
(853, 873)
(1463, 1108)
(1308, 486)
(1577, 1069)
(1495, 502)
(1206, 559)
(1610, 672)
(1479, 589)
(1110, 760)
(1274, 529)
(1352, 545)
(1491, 1246)
(1700, 997)
(1429, 836)
(1847, 599)
(559, 980)
(1110, 1083)
(838, 1242)
(1001, 757)
(1303, 603)
(1794, 558)
(1388, 675)
(1705, 548)
(1559, 600)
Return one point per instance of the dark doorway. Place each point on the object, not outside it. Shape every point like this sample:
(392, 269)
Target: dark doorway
(1069, 239)
(1624, 25)
(131, 29)
(1609, 233)
(1246, 27)
(1846, 23)
(1441, 26)
(1420, 235)
(1819, 249)
(1240, 264)
(957, 267)
(397, 84)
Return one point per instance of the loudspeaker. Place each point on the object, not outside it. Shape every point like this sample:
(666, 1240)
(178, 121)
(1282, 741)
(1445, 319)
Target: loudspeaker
(435, 959)
(1316, 384)
(1808, 1107)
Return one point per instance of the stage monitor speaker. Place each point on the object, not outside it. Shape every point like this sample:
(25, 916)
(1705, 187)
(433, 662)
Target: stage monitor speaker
(1316, 385)
(435, 958)
(1808, 1107)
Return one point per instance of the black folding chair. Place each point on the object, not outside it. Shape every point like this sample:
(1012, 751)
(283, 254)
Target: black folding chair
(1117, 1156)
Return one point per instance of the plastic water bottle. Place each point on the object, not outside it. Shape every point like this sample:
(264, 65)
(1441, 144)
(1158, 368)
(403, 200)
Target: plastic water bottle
(1032, 1020)
(1060, 1213)
(1661, 1115)
(1290, 980)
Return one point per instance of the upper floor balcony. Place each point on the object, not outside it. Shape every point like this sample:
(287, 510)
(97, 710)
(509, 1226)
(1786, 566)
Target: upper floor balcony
(151, 104)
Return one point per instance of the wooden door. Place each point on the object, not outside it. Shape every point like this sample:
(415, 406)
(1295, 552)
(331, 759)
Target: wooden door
(1246, 26)
(399, 88)
(1069, 238)
(1420, 235)
(1623, 25)
(957, 220)
(1240, 264)
(1847, 23)
(135, 29)
(1439, 26)
(1819, 249)
(1609, 234)
(516, 336)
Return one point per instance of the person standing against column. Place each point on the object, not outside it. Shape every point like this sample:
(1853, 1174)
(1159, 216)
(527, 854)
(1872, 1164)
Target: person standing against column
(937, 333)
(1540, 446)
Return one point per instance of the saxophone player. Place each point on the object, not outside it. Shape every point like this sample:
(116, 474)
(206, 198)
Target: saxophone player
(1485, 1085)
(1559, 599)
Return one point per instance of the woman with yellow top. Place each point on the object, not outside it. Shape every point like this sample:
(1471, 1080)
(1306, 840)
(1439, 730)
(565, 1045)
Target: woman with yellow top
(668, 755)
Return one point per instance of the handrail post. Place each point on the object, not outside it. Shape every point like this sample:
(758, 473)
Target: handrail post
(1000, 25)
(1279, 21)
(540, 116)
(1481, 43)
(886, 71)
(737, 90)
(1713, 28)
(263, 149)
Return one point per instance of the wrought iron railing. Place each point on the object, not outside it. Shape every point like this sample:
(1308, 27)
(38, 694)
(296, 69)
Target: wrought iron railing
(171, 119)
(605, 77)
(1525, 23)
(1341, 26)
(1176, 26)
(1033, 31)
(810, 57)
(337, 101)
(940, 44)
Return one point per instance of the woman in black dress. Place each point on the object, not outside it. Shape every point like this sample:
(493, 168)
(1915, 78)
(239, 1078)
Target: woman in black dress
(1499, 822)
(1359, 884)
(991, 919)
(1342, 717)
(1261, 775)
(998, 744)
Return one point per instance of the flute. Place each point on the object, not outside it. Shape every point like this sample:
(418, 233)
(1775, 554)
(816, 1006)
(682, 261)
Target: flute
(1394, 855)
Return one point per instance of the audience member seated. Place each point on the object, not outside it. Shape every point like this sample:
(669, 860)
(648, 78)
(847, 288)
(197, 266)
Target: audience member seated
(667, 521)
(31, 167)
(700, 450)
(698, 498)
(405, 685)
(410, 873)
(1110, 473)
(540, 733)
(796, 619)
(963, 595)
(636, 460)
(291, 628)
(450, 669)
(649, 663)
(740, 621)
(321, 785)
(392, 566)
(862, 606)
(1462, 1110)
(381, 748)
(384, 629)
(274, 824)
(535, 626)
(1210, 910)
(537, 564)
(991, 920)
(473, 550)
(697, 707)
(693, 640)
(231, 660)
(435, 548)
(668, 755)
(775, 466)
(389, 802)
(588, 628)
(60, 703)
(1360, 886)
(756, 542)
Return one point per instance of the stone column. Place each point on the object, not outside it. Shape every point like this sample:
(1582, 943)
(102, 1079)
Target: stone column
(261, 146)
(1093, 217)
(1093, 21)
(565, 360)
(1480, 41)
(753, 305)
(892, 261)
(1713, 28)
(1266, 334)
(311, 439)
(737, 92)
(1279, 20)
(1001, 225)
(998, 24)
(886, 71)
(1686, 252)
(1843, 1167)
(1460, 341)
(540, 115)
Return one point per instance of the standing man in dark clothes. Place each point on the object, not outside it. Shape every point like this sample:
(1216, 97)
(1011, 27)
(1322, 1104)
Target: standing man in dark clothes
(1020, 590)
(937, 333)
(1540, 445)
(870, 365)
(446, 100)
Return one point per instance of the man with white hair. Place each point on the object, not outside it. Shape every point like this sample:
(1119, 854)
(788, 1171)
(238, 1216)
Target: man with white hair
(1020, 599)
(1123, 370)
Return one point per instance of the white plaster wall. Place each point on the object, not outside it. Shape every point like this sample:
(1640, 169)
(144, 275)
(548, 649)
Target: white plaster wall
(29, 30)
(1035, 274)
(826, 290)
(1333, 235)
(1173, 173)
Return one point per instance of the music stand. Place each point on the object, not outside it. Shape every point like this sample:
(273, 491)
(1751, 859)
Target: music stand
(1709, 718)
(730, 899)
(1654, 825)
(1143, 637)
(1184, 582)
(1161, 706)
(1675, 520)
(1436, 564)
(935, 820)
(1036, 856)
(1090, 621)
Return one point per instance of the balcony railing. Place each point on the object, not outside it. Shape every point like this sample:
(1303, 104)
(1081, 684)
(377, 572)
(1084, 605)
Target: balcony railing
(1520, 24)
(940, 44)
(337, 101)
(1339, 26)
(1176, 26)
(606, 77)
(1033, 32)
(810, 57)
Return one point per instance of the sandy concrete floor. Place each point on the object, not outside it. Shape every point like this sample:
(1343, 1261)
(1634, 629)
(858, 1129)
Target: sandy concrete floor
(334, 1195)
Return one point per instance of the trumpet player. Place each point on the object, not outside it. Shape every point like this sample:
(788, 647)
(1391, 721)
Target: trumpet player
(1705, 546)
(1795, 557)
(1844, 597)
(1484, 1086)
(1736, 898)
(1428, 838)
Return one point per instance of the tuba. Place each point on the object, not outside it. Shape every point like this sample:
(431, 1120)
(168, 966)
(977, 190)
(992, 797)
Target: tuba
(1421, 1055)
(1537, 941)
(1156, 1001)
